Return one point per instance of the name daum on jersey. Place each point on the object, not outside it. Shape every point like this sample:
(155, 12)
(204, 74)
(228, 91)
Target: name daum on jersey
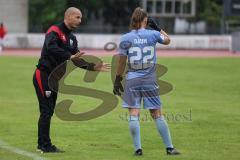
(140, 41)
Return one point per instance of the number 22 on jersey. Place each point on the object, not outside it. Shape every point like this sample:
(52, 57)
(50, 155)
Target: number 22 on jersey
(141, 58)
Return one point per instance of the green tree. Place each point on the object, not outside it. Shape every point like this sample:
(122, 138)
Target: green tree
(118, 12)
(211, 12)
(44, 13)
(88, 8)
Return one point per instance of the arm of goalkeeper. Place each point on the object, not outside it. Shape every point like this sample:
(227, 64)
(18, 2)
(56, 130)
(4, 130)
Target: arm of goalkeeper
(153, 24)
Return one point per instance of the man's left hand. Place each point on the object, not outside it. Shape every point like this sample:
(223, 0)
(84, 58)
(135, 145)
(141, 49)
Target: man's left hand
(102, 67)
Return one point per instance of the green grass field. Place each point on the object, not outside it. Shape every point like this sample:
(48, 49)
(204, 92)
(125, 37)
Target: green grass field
(209, 87)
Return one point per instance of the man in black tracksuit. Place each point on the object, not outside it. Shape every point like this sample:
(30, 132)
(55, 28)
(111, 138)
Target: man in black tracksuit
(59, 45)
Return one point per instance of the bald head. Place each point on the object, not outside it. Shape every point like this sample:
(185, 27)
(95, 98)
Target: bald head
(72, 18)
(71, 11)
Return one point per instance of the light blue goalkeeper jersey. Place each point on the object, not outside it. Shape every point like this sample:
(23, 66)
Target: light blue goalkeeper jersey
(141, 53)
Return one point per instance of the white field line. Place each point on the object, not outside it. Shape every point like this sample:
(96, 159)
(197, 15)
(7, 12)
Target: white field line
(7, 147)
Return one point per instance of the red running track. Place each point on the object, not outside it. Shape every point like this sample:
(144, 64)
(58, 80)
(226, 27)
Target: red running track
(160, 53)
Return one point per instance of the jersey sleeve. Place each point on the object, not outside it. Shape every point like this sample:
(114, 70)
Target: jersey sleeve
(158, 37)
(123, 48)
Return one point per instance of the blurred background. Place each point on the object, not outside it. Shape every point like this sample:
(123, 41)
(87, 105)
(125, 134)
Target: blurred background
(181, 18)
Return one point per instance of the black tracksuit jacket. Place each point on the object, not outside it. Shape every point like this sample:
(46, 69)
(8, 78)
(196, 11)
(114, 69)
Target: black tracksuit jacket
(58, 47)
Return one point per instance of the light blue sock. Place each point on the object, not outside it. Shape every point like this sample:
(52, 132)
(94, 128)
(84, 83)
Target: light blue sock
(164, 131)
(134, 128)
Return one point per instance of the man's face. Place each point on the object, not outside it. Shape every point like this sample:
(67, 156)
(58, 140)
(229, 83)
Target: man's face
(75, 20)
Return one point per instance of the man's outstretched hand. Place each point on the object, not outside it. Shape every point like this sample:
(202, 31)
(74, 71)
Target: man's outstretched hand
(102, 67)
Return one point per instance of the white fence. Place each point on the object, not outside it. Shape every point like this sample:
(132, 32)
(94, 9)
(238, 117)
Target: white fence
(98, 41)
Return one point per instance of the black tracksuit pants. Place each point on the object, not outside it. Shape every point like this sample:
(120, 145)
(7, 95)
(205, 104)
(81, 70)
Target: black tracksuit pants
(47, 101)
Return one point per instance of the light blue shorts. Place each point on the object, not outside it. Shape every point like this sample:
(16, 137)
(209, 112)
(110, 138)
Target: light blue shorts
(138, 90)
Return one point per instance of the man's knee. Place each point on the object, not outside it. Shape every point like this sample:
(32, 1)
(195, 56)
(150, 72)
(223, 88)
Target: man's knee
(46, 112)
(45, 117)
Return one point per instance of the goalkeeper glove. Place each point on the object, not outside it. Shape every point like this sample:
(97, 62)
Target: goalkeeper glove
(153, 24)
(118, 85)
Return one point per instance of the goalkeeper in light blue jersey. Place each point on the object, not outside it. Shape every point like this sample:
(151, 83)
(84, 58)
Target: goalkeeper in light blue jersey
(138, 51)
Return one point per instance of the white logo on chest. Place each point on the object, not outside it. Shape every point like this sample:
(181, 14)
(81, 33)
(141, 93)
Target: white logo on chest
(71, 42)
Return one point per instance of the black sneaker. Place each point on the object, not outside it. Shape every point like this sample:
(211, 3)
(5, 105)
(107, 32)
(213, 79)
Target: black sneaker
(49, 149)
(172, 151)
(138, 152)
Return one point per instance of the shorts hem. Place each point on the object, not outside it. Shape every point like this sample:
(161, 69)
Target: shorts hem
(157, 107)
